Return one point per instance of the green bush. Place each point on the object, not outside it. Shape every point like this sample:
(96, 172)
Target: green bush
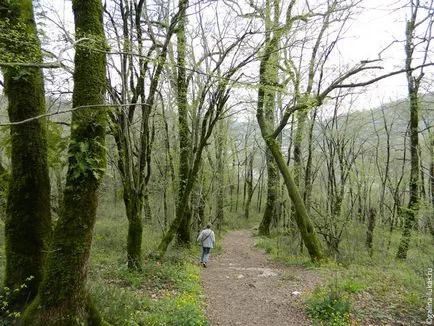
(329, 306)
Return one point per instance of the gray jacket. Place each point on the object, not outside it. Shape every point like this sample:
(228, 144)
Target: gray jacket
(207, 238)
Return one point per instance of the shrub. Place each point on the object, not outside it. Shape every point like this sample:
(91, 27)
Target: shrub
(329, 307)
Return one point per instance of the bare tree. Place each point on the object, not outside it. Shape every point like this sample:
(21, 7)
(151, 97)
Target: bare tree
(140, 72)
(413, 43)
(220, 65)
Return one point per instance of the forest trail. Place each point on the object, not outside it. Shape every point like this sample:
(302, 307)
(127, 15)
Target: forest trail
(243, 287)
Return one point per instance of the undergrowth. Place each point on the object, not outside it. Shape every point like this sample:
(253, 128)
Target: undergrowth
(162, 294)
(166, 293)
(360, 289)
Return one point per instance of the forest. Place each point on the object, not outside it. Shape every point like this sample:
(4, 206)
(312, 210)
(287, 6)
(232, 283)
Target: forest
(127, 126)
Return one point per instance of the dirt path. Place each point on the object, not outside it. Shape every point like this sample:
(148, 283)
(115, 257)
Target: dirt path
(243, 287)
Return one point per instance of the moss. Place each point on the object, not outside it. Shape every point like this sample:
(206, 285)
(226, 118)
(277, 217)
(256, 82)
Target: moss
(28, 217)
(134, 241)
(305, 226)
(84, 314)
(63, 297)
(185, 142)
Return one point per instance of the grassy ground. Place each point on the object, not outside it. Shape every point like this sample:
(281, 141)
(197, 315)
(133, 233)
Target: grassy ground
(362, 290)
(163, 293)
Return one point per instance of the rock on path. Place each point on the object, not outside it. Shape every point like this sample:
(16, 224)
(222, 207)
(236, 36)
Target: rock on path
(242, 287)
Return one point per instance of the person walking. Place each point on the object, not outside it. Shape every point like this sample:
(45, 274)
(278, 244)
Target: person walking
(206, 239)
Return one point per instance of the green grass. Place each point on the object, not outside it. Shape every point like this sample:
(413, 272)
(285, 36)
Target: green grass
(163, 293)
(236, 221)
(365, 289)
(357, 288)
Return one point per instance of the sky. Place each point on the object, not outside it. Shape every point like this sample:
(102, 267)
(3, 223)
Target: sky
(373, 30)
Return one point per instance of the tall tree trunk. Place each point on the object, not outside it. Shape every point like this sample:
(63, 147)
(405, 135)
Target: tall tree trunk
(308, 178)
(370, 231)
(270, 79)
(134, 206)
(305, 226)
(238, 188)
(267, 69)
(28, 218)
(183, 210)
(298, 140)
(273, 184)
(413, 93)
(249, 185)
(220, 195)
(63, 298)
(135, 148)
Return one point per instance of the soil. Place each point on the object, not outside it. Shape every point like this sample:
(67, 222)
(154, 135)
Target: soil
(243, 287)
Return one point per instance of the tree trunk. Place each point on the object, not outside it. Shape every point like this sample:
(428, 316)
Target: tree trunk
(267, 70)
(63, 298)
(270, 79)
(370, 231)
(273, 184)
(28, 217)
(134, 207)
(147, 206)
(238, 181)
(304, 223)
(298, 140)
(413, 90)
(183, 211)
(248, 185)
(220, 196)
(308, 178)
(413, 203)
(302, 219)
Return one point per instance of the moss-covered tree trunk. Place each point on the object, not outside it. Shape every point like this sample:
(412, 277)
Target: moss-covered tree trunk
(28, 221)
(249, 189)
(133, 185)
(413, 84)
(183, 210)
(220, 158)
(269, 80)
(134, 207)
(305, 226)
(308, 182)
(63, 298)
(268, 66)
(272, 195)
(370, 230)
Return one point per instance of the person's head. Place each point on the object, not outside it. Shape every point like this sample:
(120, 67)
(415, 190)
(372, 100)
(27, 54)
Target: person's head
(208, 226)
